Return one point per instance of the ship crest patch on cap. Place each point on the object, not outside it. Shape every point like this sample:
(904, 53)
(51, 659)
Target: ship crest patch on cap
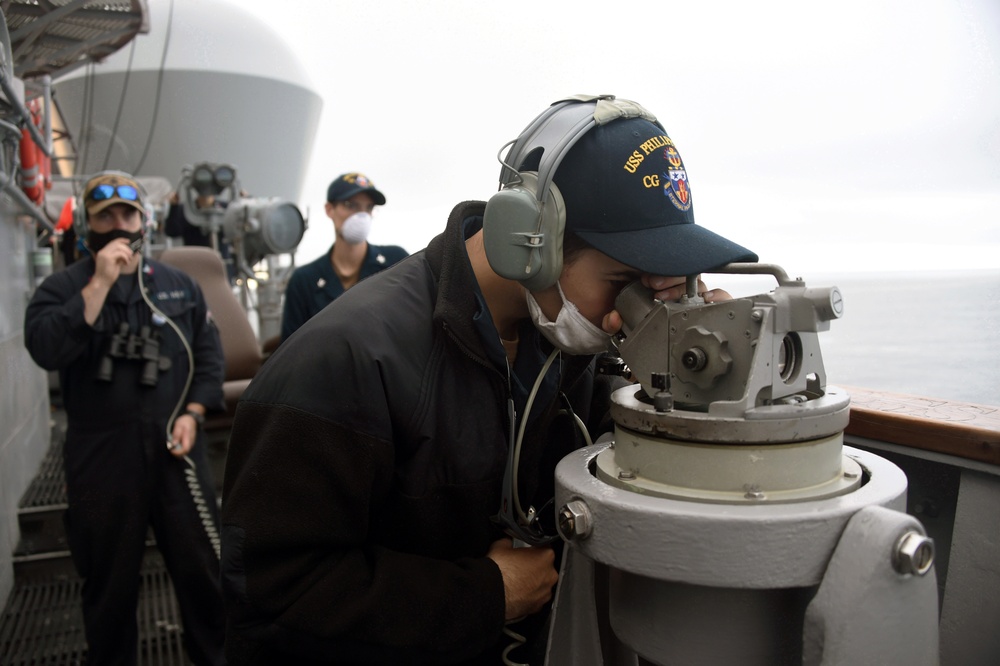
(676, 187)
(358, 179)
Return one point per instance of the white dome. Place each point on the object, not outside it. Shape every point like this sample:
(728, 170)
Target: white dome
(215, 35)
(230, 91)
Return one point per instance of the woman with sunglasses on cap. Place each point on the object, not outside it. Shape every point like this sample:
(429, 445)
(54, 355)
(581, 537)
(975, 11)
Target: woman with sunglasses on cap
(140, 363)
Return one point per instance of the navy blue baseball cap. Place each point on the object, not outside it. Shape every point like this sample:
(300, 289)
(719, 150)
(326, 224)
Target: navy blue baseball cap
(627, 194)
(347, 185)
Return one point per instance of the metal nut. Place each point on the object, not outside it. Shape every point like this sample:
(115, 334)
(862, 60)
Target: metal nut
(574, 521)
(914, 554)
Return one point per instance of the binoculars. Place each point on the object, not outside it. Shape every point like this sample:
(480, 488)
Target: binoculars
(144, 347)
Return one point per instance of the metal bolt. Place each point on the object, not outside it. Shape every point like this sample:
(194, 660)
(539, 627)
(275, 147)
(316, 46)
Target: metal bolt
(694, 359)
(756, 315)
(626, 475)
(913, 554)
(574, 521)
(663, 401)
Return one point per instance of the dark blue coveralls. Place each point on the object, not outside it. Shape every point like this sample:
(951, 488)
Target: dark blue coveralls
(120, 477)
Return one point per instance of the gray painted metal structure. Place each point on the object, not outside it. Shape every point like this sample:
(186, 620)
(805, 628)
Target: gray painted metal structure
(24, 399)
(731, 523)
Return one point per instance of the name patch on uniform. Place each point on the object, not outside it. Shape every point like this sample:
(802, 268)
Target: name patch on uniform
(171, 295)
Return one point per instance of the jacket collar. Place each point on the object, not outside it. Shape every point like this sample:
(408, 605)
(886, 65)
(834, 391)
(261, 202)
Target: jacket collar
(456, 282)
(449, 262)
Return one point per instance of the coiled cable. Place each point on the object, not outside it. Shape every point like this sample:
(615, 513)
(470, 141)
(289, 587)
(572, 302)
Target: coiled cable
(519, 640)
(191, 472)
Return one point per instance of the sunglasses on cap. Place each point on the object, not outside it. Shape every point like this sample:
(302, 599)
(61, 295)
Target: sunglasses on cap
(105, 192)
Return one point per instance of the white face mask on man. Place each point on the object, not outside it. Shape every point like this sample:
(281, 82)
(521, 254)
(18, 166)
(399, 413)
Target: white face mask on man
(571, 331)
(356, 228)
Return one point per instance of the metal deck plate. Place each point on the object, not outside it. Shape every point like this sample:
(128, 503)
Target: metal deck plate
(43, 622)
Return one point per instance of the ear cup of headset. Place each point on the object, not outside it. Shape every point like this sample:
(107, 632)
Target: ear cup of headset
(523, 227)
(522, 236)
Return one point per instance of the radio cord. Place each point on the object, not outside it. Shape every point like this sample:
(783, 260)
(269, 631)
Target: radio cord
(191, 472)
(524, 422)
(520, 640)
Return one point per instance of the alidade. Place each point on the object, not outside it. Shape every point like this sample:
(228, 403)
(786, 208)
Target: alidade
(733, 523)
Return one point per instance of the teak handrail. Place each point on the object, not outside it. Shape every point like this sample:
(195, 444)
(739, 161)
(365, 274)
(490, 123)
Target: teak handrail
(954, 428)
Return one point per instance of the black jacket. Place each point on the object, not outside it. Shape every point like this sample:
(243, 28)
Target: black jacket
(365, 467)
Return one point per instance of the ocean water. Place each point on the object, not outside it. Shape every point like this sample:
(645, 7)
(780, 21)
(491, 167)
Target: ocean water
(934, 334)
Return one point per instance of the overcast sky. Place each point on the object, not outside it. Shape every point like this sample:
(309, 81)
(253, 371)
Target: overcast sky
(842, 136)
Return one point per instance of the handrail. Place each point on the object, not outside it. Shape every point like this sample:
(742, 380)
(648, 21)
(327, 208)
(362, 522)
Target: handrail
(950, 427)
(9, 187)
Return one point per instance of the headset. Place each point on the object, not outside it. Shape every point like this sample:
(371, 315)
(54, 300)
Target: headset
(524, 222)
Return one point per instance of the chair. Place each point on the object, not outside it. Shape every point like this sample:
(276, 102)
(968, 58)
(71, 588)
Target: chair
(239, 343)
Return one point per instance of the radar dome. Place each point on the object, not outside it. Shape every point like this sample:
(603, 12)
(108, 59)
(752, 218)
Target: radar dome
(209, 82)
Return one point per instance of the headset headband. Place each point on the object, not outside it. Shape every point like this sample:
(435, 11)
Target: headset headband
(558, 128)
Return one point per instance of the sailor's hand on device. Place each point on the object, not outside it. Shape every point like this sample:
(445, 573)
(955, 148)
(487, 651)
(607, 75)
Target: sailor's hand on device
(529, 574)
(666, 289)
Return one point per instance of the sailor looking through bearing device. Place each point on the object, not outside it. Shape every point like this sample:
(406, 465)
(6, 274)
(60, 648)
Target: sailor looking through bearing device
(386, 456)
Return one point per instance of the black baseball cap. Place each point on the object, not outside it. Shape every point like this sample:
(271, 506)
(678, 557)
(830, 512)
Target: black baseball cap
(347, 185)
(627, 194)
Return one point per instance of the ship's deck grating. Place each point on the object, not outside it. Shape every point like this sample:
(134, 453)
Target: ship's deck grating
(43, 623)
(48, 488)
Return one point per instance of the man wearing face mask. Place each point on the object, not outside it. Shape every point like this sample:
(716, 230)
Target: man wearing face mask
(350, 203)
(384, 460)
(140, 363)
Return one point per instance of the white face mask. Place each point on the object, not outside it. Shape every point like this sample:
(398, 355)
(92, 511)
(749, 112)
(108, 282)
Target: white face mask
(356, 228)
(571, 331)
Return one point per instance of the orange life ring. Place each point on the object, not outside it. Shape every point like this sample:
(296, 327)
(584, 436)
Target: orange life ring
(30, 174)
(35, 168)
